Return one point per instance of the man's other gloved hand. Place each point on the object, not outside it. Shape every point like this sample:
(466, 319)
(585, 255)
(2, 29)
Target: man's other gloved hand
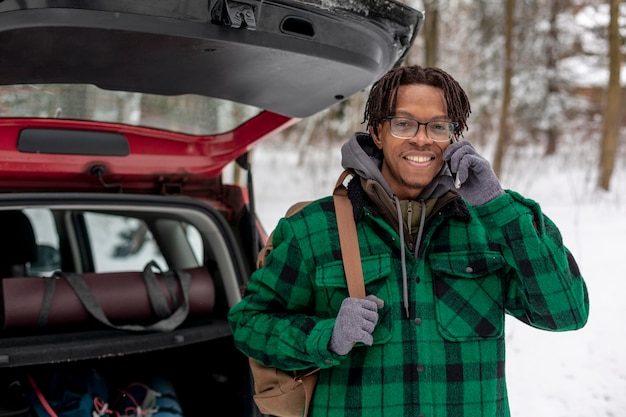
(472, 174)
(355, 322)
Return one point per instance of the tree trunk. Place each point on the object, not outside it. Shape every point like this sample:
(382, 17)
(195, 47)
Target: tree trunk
(503, 133)
(553, 90)
(611, 122)
(430, 32)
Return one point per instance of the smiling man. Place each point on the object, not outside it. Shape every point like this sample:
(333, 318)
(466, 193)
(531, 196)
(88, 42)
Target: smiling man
(446, 252)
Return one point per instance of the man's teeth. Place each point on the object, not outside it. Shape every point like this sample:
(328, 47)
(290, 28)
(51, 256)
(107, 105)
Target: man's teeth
(418, 158)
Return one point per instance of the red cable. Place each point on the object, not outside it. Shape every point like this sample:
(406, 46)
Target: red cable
(41, 398)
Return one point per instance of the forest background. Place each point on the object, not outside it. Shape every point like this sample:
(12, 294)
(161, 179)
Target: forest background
(541, 76)
(545, 82)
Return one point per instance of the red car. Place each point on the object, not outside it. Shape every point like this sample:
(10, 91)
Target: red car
(120, 122)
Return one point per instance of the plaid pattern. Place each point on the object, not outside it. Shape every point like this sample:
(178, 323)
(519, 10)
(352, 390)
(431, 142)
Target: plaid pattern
(448, 358)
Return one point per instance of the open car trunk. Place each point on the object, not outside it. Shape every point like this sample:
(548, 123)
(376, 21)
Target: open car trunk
(118, 236)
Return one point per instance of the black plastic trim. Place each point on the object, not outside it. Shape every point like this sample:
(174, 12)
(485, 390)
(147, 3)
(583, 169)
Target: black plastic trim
(72, 142)
(299, 59)
(93, 344)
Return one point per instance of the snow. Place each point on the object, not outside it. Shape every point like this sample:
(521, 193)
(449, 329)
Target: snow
(566, 374)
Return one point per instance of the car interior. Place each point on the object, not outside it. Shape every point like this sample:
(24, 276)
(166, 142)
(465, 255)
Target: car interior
(114, 241)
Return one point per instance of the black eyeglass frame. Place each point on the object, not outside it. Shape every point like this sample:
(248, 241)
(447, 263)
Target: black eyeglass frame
(454, 125)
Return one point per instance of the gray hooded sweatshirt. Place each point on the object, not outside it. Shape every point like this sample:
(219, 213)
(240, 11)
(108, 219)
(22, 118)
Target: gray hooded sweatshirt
(361, 155)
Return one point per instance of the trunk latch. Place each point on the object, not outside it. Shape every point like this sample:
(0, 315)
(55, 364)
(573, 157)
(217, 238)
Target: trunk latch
(234, 14)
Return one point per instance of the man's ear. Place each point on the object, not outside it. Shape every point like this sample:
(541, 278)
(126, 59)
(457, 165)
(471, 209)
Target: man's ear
(377, 141)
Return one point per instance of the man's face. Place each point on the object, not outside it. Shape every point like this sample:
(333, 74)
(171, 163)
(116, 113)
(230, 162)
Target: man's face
(409, 165)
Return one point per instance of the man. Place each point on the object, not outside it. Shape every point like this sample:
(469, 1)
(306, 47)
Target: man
(446, 252)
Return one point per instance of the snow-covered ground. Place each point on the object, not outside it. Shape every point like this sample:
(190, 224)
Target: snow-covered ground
(571, 374)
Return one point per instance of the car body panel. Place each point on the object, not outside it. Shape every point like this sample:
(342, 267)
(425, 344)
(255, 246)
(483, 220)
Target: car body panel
(272, 62)
(287, 59)
(155, 159)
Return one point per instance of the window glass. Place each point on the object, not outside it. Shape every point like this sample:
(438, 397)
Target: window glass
(192, 114)
(121, 243)
(195, 240)
(117, 242)
(47, 239)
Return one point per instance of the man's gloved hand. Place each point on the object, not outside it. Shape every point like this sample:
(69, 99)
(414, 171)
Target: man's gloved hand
(472, 174)
(355, 322)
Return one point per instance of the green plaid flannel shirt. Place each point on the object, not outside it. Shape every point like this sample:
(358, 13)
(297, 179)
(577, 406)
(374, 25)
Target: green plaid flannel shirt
(448, 358)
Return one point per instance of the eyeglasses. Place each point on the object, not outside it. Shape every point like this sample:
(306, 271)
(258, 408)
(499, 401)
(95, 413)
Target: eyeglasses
(406, 128)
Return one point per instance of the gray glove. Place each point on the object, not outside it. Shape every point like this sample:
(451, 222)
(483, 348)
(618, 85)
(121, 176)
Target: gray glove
(473, 177)
(355, 322)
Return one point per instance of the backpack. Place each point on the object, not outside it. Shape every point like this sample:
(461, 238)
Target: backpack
(268, 247)
(288, 393)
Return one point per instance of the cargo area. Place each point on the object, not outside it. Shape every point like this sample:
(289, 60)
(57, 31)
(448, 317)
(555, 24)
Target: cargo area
(114, 246)
(206, 375)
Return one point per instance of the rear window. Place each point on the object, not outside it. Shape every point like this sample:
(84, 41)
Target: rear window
(114, 242)
(189, 114)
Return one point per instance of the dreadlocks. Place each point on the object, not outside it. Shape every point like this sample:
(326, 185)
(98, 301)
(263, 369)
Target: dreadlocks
(381, 102)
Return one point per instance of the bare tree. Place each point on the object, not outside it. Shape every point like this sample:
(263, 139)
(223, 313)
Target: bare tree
(430, 32)
(611, 122)
(503, 132)
(552, 82)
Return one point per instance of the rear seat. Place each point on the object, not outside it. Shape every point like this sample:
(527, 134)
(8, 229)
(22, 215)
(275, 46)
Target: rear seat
(21, 248)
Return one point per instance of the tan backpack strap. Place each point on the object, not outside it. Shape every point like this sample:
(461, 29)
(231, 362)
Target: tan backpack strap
(348, 237)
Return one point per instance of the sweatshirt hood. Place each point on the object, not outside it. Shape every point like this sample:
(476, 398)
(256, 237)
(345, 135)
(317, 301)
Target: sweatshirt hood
(361, 155)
